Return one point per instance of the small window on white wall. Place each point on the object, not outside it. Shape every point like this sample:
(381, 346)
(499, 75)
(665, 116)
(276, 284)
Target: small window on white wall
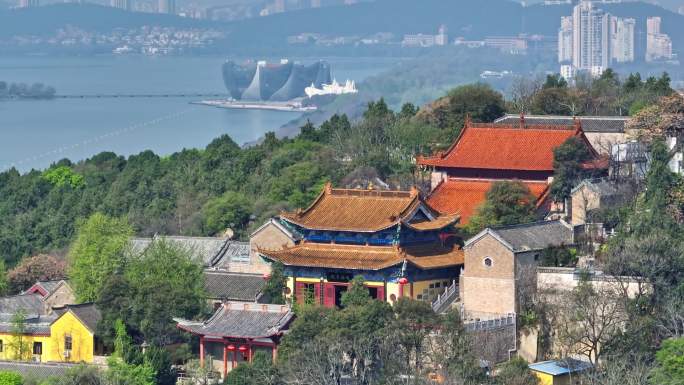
(488, 262)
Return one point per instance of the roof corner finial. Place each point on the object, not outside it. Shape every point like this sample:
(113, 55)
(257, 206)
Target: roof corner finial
(522, 119)
(328, 187)
(578, 125)
(414, 191)
(467, 120)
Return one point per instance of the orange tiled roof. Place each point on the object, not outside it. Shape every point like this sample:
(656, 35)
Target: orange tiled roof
(363, 211)
(504, 147)
(463, 196)
(362, 257)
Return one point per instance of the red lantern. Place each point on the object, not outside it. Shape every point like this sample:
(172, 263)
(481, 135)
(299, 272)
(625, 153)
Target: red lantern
(231, 348)
(243, 348)
(403, 281)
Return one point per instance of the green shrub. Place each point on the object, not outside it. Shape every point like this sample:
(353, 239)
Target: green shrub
(10, 378)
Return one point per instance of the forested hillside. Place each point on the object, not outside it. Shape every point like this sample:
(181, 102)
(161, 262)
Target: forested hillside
(205, 191)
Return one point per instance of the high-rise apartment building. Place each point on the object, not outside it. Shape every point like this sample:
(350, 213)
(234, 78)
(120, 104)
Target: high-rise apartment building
(565, 40)
(658, 45)
(315, 3)
(591, 37)
(167, 6)
(121, 4)
(622, 37)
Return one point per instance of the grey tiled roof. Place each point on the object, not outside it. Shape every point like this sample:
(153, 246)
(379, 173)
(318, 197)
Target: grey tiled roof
(535, 236)
(205, 249)
(33, 324)
(233, 286)
(137, 246)
(598, 124)
(233, 249)
(50, 286)
(604, 187)
(88, 313)
(242, 320)
(31, 304)
(211, 251)
(35, 369)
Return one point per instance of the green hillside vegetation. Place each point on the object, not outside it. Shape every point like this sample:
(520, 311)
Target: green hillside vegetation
(206, 191)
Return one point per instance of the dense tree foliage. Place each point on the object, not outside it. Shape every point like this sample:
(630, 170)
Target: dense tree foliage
(149, 290)
(506, 203)
(37, 268)
(97, 253)
(605, 95)
(568, 161)
(224, 186)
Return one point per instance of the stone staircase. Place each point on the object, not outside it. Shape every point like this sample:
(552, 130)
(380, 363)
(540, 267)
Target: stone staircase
(444, 301)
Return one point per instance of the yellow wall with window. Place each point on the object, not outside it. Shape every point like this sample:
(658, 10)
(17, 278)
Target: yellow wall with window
(82, 340)
(53, 346)
(10, 347)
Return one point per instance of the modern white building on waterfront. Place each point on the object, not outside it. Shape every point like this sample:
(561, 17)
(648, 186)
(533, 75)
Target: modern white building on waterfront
(121, 4)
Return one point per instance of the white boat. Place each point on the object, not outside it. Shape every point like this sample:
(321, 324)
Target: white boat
(335, 88)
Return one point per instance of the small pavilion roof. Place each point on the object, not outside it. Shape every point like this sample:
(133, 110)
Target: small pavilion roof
(463, 196)
(366, 211)
(242, 320)
(233, 286)
(361, 257)
(495, 146)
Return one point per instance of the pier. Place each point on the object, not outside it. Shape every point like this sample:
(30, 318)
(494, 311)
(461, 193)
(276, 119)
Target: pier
(121, 96)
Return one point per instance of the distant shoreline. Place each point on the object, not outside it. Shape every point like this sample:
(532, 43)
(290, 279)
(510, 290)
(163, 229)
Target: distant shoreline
(293, 106)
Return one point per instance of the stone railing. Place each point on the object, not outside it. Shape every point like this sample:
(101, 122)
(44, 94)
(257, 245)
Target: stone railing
(446, 298)
(493, 323)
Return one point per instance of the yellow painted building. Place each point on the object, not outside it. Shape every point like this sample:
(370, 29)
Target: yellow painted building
(67, 334)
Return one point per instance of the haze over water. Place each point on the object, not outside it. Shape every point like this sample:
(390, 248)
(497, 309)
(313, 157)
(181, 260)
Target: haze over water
(34, 134)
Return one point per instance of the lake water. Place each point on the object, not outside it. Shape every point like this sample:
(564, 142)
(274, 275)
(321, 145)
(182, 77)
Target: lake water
(34, 134)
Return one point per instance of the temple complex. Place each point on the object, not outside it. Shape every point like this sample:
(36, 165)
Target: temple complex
(485, 153)
(398, 243)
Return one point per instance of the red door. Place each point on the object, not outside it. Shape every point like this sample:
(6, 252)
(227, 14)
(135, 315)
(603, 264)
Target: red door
(317, 293)
(300, 291)
(329, 295)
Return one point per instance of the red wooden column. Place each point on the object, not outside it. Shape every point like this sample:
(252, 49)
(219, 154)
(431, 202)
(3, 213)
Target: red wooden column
(249, 353)
(225, 359)
(202, 351)
(275, 352)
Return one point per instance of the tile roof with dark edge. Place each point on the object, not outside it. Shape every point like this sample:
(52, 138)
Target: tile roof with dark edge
(233, 286)
(504, 147)
(536, 235)
(205, 249)
(355, 210)
(34, 324)
(361, 257)
(464, 196)
(242, 320)
(31, 304)
(88, 313)
(590, 124)
(50, 286)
